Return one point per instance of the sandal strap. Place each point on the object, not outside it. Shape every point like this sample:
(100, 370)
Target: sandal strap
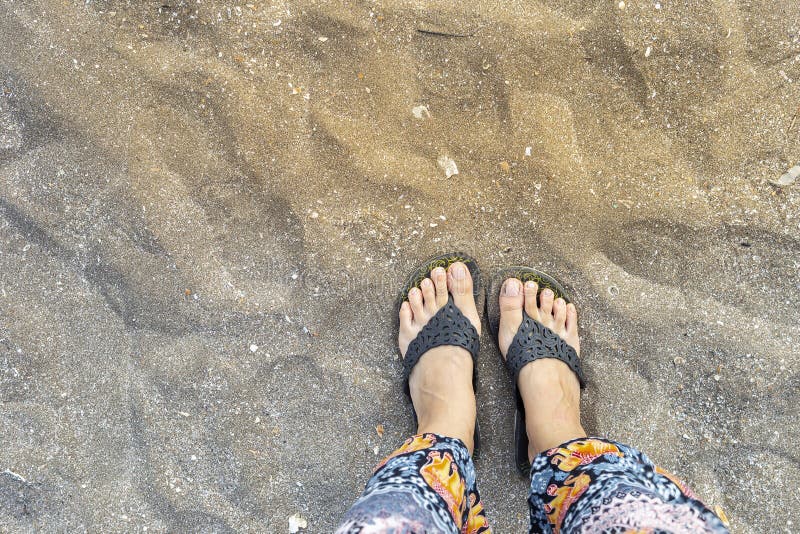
(448, 327)
(534, 341)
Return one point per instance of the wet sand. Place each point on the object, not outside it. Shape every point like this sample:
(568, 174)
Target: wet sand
(206, 210)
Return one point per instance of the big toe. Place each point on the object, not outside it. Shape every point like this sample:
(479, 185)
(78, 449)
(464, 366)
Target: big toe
(511, 303)
(459, 283)
(459, 280)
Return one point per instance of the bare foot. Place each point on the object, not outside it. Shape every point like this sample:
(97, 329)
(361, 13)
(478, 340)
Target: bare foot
(441, 382)
(549, 388)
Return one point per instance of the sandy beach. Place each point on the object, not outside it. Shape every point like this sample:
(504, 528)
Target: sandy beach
(207, 209)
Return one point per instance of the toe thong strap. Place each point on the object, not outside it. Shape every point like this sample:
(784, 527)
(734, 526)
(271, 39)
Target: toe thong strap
(534, 341)
(448, 327)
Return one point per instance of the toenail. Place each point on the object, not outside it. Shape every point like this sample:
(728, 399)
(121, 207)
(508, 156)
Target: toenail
(439, 271)
(426, 282)
(511, 289)
(459, 272)
(413, 291)
(530, 285)
(547, 293)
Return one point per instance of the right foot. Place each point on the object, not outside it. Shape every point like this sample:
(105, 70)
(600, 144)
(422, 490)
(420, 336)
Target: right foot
(549, 388)
(441, 381)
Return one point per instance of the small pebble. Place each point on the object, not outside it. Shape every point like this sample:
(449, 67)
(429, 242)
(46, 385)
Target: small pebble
(420, 112)
(447, 165)
(253, 347)
(297, 523)
(789, 177)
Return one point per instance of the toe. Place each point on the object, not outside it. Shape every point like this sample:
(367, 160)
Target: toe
(560, 313)
(511, 302)
(428, 296)
(405, 315)
(572, 327)
(439, 276)
(545, 304)
(459, 281)
(531, 306)
(511, 298)
(572, 319)
(415, 299)
(406, 333)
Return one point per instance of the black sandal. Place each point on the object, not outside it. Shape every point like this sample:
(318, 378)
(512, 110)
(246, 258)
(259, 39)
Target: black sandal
(448, 327)
(532, 341)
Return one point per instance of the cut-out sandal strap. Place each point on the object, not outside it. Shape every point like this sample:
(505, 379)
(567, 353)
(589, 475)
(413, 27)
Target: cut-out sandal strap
(448, 327)
(534, 341)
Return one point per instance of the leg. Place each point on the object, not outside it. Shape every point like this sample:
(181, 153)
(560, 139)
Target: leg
(598, 485)
(428, 484)
(581, 484)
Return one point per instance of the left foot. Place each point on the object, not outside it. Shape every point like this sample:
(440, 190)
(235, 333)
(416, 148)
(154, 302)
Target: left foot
(441, 382)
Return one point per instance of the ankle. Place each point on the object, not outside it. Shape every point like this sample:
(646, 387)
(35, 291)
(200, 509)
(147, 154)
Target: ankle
(453, 416)
(459, 426)
(442, 393)
(551, 394)
(543, 437)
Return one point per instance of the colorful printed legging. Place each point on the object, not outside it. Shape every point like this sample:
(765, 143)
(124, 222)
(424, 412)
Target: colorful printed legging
(585, 485)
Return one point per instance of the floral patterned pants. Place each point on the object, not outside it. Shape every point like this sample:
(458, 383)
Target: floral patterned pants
(586, 485)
